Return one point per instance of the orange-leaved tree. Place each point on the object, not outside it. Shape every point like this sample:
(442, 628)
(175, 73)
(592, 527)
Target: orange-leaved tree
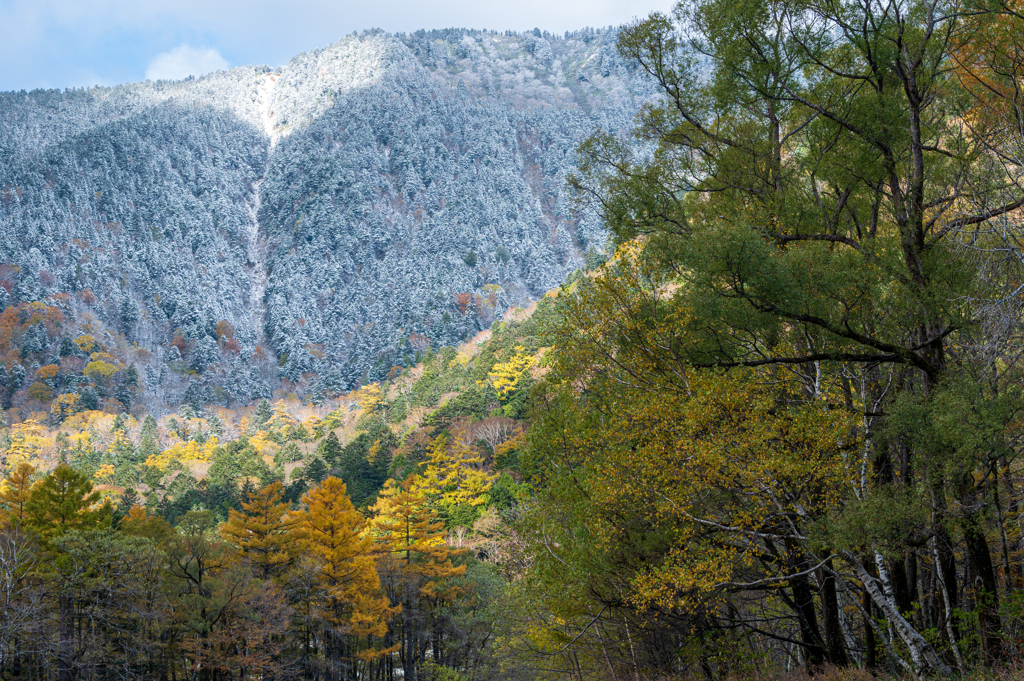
(14, 492)
(352, 609)
(262, 532)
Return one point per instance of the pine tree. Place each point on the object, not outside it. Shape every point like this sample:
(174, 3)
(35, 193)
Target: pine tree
(316, 471)
(121, 449)
(64, 501)
(126, 501)
(264, 412)
(329, 449)
(262, 532)
(149, 441)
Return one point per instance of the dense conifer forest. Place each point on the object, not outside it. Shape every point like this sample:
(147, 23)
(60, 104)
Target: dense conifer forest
(689, 349)
(330, 212)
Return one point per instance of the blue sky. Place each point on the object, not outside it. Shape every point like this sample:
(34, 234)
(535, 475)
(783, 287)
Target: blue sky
(76, 43)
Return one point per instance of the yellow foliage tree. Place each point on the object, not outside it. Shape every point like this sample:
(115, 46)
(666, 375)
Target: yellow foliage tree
(83, 419)
(104, 474)
(369, 398)
(14, 492)
(333, 420)
(718, 480)
(85, 343)
(404, 525)
(505, 376)
(261, 441)
(64, 406)
(80, 443)
(311, 423)
(331, 533)
(98, 370)
(414, 560)
(281, 419)
(453, 475)
(184, 451)
(262, 532)
(27, 444)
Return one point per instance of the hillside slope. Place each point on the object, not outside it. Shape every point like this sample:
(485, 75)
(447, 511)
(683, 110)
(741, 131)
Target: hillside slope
(340, 213)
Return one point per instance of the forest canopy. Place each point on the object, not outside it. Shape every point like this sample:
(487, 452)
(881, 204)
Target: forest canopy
(808, 343)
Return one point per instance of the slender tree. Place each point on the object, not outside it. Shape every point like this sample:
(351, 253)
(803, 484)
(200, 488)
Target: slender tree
(15, 492)
(262, 532)
(353, 609)
(416, 562)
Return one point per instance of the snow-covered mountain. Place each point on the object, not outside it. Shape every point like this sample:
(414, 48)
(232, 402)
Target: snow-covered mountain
(340, 213)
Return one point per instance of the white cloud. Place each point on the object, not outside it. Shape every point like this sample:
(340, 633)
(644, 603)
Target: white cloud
(184, 61)
(49, 42)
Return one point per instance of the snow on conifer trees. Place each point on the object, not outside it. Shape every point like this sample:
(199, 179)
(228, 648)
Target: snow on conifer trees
(352, 181)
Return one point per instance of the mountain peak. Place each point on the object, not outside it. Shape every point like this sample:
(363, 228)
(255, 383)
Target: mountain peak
(339, 214)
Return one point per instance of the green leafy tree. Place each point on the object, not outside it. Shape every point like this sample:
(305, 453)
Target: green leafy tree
(804, 212)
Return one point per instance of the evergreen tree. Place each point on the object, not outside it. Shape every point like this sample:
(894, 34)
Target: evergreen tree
(364, 463)
(316, 471)
(264, 412)
(329, 449)
(64, 501)
(149, 441)
(89, 399)
(126, 501)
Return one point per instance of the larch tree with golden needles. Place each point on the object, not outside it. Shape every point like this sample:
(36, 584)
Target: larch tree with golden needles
(14, 493)
(416, 566)
(353, 608)
(453, 474)
(262, 532)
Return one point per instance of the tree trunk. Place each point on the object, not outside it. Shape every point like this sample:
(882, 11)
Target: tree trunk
(870, 648)
(921, 652)
(985, 591)
(803, 600)
(834, 640)
(900, 587)
(67, 636)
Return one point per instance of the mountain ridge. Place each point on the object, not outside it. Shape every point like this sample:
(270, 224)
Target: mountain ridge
(339, 213)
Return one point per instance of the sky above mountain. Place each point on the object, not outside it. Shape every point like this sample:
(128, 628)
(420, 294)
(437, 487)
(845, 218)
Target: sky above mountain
(75, 43)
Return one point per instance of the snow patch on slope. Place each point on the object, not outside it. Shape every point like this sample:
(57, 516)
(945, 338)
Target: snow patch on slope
(263, 97)
(307, 85)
